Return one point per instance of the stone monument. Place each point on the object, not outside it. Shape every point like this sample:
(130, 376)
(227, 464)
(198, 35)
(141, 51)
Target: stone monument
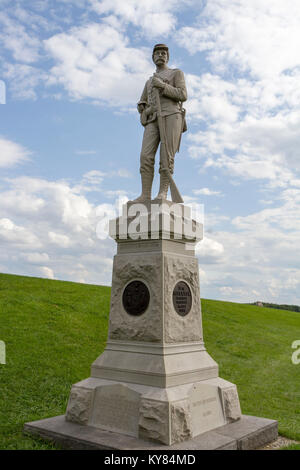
(155, 383)
(155, 380)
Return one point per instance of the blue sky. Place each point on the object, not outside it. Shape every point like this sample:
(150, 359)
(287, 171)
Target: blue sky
(70, 135)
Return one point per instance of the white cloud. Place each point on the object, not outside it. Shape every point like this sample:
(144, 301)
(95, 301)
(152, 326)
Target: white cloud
(14, 37)
(256, 140)
(120, 193)
(123, 173)
(206, 192)
(259, 259)
(59, 239)
(94, 176)
(17, 235)
(285, 217)
(249, 107)
(60, 201)
(155, 18)
(209, 251)
(23, 79)
(260, 36)
(54, 230)
(20, 202)
(36, 258)
(252, 148)
(91, 181)
(96, 62)
(47, 272)
(11, 153)
(210, 98)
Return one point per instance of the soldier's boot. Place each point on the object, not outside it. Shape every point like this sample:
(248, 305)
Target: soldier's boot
(147, 180)
(163, 186)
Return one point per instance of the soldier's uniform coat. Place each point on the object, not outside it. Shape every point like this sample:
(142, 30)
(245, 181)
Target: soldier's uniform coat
(171, 98)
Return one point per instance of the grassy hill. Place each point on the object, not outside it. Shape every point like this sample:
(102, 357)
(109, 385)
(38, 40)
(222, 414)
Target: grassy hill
(53, 330)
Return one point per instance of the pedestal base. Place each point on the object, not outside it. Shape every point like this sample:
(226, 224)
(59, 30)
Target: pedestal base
(166, 415)
(246, 434)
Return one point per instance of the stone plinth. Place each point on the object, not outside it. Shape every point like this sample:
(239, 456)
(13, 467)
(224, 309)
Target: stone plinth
(247, 433)
(155, 380)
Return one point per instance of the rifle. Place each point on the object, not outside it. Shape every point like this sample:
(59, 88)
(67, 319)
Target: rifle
(176, 196)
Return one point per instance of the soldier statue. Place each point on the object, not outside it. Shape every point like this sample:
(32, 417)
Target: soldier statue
(163, 117)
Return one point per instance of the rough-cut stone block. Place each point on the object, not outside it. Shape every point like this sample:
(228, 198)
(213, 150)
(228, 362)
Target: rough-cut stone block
(79, 405)
(154, 421)
(180, 420)
(231, 403)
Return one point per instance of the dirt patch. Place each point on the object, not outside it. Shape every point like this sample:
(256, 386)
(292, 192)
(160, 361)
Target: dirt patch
(280, 442)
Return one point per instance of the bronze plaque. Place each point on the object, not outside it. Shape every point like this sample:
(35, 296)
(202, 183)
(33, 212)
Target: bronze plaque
(182, 298)
(136, 298)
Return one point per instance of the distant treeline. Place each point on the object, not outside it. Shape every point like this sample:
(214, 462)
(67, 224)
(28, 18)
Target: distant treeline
(293, 308)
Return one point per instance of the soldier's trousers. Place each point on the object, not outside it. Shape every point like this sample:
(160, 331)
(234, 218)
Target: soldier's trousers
(151, 139)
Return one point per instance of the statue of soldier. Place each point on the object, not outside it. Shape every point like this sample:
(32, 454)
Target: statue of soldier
(165, 117)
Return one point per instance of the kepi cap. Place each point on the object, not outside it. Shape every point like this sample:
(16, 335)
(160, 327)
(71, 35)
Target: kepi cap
(160, 46)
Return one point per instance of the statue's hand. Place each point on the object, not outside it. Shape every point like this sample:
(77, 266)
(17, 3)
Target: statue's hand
(149, 110)
(157, 82)
(140, 107)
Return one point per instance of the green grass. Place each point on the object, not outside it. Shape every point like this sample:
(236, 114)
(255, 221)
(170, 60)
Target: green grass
(54, 330)
(252, 346)
(291, 447)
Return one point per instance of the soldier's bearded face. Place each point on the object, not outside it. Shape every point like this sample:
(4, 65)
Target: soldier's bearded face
(160, 57)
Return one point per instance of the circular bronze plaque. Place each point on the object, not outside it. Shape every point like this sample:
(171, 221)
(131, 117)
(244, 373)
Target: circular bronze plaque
(182, 298)
(136, 298)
